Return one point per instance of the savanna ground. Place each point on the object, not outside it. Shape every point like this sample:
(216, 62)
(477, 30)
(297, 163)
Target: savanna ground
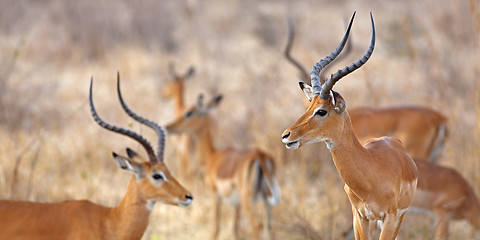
(427, 54)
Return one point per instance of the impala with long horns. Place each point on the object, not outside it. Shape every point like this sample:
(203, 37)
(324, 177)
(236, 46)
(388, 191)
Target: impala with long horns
(423, 131)
(380, 177)
(150, 182)
(445, 193)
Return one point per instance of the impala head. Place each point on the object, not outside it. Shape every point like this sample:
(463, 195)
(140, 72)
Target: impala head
(153, 179)
(325, 115)
(195, 118)
(175, 87)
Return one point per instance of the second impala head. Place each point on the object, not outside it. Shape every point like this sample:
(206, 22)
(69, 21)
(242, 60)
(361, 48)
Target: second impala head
(195, 118)
(154, 181)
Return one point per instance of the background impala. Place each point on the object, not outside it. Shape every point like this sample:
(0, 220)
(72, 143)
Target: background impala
(49, 49)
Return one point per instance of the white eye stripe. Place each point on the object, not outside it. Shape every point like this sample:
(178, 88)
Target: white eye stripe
(315, 111)
(163, 177)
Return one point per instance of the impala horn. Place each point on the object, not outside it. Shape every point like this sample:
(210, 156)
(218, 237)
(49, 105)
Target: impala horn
(158, 129)
(144, 142)
(327, 86)
(314, 75)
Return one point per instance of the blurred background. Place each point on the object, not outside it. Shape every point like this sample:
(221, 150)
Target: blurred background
(427, 54)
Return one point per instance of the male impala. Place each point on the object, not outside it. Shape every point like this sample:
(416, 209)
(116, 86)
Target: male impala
(235, 176)
(175, 90)
(443, 191)
(380, 177)
(151, 182)
(422, 130)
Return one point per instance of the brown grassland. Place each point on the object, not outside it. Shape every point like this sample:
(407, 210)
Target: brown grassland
(427, 54)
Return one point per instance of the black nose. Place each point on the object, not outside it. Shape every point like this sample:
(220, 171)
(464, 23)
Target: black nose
(189, 197)
(286, 135)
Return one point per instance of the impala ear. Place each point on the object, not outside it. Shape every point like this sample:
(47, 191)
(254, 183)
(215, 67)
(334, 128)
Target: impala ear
(128, 164)
(189, 73)
(338, 103)
(307, 89)
(131, 153)
(214, 102)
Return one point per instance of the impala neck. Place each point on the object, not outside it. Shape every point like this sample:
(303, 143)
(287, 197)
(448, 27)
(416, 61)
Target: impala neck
(348, 154)
(178, 99)
(130, 218)
(204, 144)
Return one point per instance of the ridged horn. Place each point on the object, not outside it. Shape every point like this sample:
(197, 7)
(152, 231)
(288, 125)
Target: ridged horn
(144, 142)
(317, 68)
(157, 128)
(327, 87)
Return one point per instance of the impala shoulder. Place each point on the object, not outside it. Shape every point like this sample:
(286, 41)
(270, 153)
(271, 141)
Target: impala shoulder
(383, 141)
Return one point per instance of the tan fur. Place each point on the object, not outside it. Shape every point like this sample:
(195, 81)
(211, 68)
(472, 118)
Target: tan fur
(175, 90)
(380, 177)
(418, 128)
(230, 172)
(445, 192)
(83, 219)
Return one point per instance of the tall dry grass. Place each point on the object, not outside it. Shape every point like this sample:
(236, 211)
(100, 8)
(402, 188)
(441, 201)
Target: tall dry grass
(427, 54)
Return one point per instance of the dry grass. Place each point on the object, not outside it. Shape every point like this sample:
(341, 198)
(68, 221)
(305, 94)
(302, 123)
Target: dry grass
(427, 54)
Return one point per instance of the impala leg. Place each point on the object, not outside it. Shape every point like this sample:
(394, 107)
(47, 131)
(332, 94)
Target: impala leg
(236, 222)
(217, 205)
(360, 226)
(388, 228)
(247, 208)
(398, 224)
(441, 227)
(268, 217)
(372, 226)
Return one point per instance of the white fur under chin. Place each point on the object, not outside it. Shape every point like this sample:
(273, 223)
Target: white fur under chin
(293, 145)
(328, 142)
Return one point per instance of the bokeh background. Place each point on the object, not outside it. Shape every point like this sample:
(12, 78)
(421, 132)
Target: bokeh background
(427, 54)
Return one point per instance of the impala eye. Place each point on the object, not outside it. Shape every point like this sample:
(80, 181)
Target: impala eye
(159, 176)
(321, 113)
(189, 114)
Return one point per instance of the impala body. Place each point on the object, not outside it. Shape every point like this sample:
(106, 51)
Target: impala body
(235, 176)
(380, 177)
(151, 182)
(447, 194)
(422, 130)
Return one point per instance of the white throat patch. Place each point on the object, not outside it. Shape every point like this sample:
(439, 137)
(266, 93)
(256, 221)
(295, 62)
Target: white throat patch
(150, 205)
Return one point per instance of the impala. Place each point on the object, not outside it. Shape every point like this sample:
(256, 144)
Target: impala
(422, 130)
(150, 182)
(235, 176)
(380, 177)
(175, 90)
(447, 194)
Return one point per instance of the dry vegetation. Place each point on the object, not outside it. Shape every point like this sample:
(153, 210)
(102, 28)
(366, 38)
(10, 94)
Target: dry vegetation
(427, 54)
